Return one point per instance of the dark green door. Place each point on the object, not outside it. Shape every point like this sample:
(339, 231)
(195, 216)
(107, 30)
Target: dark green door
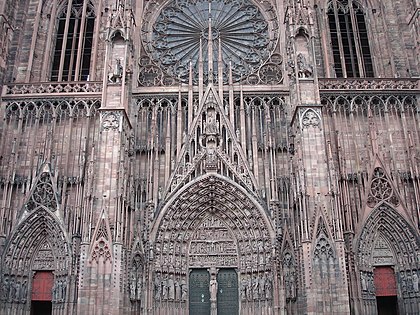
(199, 292)
(227, 292)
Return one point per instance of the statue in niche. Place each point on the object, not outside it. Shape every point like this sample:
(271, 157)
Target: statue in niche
(16, 298)
(133, 288)
(11, 290)
(24, 291)
(5, 289)
(305, 70)
(363, 282)
(184, 290)
(177, 290)
(255, 287)
(158, 287)
(415, 278)
(165, 288)
(268, 287)
(261, 287)
(210, 126)
(171, 288)
(116, 75)
(371, 285)
(403, 283)
(244, 288)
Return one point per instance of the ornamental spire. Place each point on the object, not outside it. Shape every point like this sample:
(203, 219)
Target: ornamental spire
(210, 48)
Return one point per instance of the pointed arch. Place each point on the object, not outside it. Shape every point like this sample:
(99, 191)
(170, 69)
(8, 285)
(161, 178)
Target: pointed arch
(386, 223)
(74, 40)
(349, 39)
(136, 281)
(211, 222)
(101, 246)
(288, 267)
(38, 243)
(310, 118)
(324, 251)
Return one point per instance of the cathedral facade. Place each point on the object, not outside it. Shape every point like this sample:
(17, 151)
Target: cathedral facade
(209, 157)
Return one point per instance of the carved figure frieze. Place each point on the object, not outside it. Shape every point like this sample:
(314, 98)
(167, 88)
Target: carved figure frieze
(59, 290)
(367, 283)
(256, 287)
(44, 258)
(382, 254)
(170, 287)
(409, 282)
(14, 289)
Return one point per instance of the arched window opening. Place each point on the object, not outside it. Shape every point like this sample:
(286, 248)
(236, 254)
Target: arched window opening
(349, 39)
(73, 45)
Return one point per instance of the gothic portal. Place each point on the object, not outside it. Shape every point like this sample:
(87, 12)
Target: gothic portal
(209, 157)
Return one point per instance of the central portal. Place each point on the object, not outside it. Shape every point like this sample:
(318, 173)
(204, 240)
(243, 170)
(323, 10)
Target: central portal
(212, 253)
(210, 293)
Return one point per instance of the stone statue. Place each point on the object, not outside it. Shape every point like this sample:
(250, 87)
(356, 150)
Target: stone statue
(415, 282)
(5, 289)
(305, 70)
(17, 297)
(255, 288)
(213, 289)
(184, 290)
(63, 291)
(133, 288)
(177, 290)
(11, 290)
(139, 288)
(165, 288)
(268, 287)
(24, 291)
(210, 126)
(116, 75)
(244, 288)
(363, 282)
(158, 287)
(171, 288)
(59, 290)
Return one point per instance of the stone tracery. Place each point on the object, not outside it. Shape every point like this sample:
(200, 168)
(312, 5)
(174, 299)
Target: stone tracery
(240, 38)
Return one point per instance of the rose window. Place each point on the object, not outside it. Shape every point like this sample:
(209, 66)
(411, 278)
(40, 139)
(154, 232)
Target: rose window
(236, 32)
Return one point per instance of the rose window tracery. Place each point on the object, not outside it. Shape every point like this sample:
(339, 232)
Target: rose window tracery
(43, 194)
(381, 189)
(239, 33)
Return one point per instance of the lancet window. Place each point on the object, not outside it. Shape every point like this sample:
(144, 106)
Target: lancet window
(349, 39)
(73, 44)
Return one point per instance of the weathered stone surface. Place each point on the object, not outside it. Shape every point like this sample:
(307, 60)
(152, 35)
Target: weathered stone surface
(208, 169)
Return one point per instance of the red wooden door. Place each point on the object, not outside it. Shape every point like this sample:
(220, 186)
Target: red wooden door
(385, 284)
(42, 286)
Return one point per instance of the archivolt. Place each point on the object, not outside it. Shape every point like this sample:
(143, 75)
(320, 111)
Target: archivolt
(400, 235)
(213, 195)
(39, 231)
